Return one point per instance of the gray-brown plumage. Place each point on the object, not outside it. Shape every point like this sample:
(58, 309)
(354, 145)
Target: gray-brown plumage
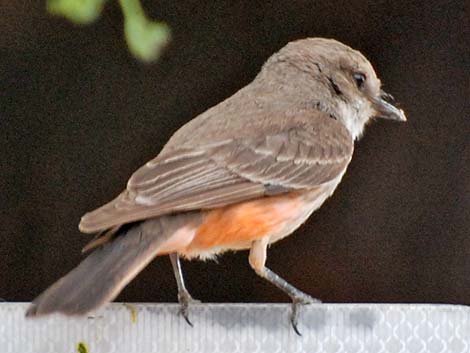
(291, 153)
(282, 142)
(103, 274)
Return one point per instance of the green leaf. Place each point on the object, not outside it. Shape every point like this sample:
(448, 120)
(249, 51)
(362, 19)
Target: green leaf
(145, 38)
(77, 11)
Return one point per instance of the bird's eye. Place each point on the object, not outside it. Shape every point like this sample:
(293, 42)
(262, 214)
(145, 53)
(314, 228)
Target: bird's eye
(360, 79)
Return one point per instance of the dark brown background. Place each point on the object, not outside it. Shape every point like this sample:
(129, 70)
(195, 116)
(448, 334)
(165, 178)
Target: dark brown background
(79, 115)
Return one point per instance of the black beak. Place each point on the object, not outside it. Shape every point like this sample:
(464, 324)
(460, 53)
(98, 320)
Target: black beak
(386, 110)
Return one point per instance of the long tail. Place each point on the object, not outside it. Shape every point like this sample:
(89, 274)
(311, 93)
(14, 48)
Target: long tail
(107, 270)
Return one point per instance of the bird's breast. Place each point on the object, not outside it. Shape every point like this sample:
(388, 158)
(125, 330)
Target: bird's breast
(235, 227)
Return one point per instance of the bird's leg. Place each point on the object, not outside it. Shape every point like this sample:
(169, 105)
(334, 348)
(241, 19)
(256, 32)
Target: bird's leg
(184, 298)
(257, 260)
(298, 297)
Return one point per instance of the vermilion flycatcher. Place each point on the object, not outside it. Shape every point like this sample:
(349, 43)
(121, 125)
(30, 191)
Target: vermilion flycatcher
(242, 175)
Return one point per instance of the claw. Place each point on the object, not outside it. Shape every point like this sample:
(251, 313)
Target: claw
(302, 299)
(298, 297)
(185, 313)
(185, 299)
(294, 317)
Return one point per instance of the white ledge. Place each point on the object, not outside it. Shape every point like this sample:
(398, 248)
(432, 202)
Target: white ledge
(227, 328)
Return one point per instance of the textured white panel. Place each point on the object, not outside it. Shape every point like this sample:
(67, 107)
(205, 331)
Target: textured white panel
(227, 328)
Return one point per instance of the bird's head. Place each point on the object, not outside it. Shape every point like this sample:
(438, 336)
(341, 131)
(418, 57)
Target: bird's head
(334, 78)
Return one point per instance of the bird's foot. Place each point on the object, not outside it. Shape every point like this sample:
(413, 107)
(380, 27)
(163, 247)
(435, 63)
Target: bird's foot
(185, 299)
(298, 300)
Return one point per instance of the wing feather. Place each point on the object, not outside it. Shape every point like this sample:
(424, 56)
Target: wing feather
(298, 156)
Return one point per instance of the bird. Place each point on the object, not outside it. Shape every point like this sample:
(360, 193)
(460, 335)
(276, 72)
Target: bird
(242, 175)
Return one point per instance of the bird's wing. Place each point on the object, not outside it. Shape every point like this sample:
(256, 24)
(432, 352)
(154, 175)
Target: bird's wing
(299, 155)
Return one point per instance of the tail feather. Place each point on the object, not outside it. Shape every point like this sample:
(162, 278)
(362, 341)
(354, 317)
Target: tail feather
(107, 270)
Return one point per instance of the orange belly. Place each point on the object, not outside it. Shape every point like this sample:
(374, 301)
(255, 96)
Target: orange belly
(237, 226)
